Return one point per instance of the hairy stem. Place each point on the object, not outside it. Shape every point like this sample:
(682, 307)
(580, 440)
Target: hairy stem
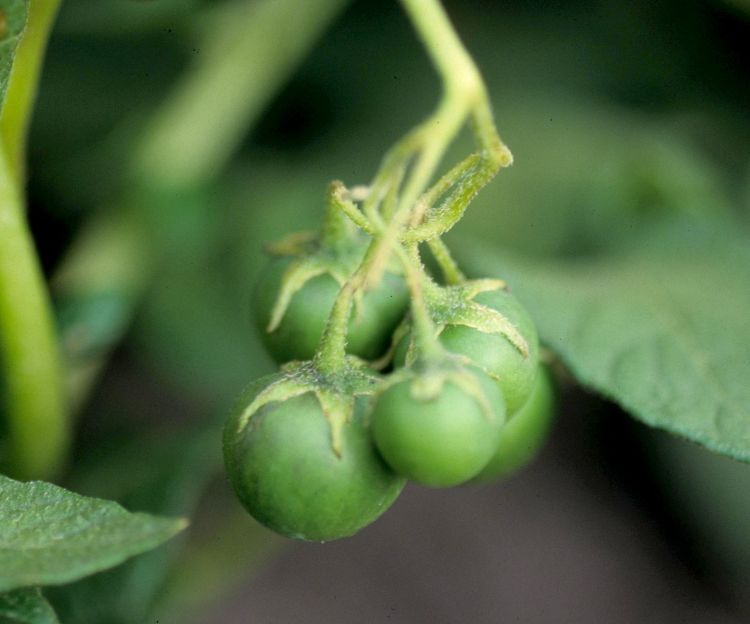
(451, 272)
(331, 355)
(428, 346)
(388, 208)
(464, 94)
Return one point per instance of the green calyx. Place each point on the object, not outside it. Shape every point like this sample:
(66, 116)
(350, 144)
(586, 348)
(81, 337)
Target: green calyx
(456, 305)
(296, 295)
(278, 456)
(311, 256)
(336, 393)
(427, 379)
(482, 321)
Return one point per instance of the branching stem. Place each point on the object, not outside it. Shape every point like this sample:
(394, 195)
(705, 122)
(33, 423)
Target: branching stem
(413, 161)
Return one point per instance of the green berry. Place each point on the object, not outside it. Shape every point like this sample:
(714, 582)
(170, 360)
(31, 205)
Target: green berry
(442, 440)
(284, 470)
(525, 433)
(298, 335)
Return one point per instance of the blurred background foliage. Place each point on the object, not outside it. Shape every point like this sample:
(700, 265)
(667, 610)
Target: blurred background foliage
(619, 115)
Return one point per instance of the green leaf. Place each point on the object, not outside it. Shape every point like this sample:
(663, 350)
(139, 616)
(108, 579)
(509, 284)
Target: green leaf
(49, 535)
(26, 606)
(12, 23)
(181, 462)
(664, 330)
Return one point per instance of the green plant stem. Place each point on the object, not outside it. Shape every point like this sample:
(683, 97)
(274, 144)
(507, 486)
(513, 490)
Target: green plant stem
(23, 83)
(458, 71)
(339, 198)
(428, 346)
(241, 66)
(35, 409)
(35, 406)
(449, 267)
(331, 355)
(464, 94)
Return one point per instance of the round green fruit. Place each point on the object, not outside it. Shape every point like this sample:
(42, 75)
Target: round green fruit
(286, 474)
(298, 335)
(441, 441)
(495, 354)
(525, 433)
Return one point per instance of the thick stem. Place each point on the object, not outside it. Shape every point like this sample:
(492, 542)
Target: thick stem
(23, 83)
(463, 92)
(35, 414)
(458, 71)
(448, 54)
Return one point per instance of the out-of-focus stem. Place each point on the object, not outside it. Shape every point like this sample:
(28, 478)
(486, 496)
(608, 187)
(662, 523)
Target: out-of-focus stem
(240, 66)
(23, 83)
(96, 288)
(35, 414)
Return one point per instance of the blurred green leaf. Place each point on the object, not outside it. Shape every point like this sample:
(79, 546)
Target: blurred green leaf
(12, 23)
(588, 178)
(26, 606)
(663, 329)
(49, 535)
(180, 463)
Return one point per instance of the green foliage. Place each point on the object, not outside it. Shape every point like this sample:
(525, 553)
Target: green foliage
(592, 179)
(169, 483)
(26, 606)
(12, 23)
(50, 536)
(662, 329)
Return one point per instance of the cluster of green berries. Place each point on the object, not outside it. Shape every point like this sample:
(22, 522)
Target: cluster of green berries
(317, 452)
